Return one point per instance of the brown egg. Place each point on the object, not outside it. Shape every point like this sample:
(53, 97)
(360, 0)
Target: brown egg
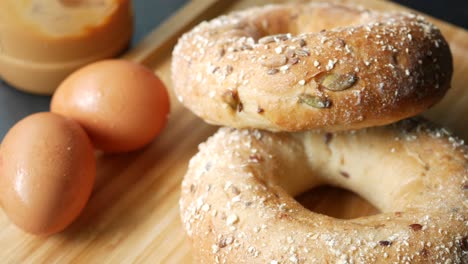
(121, 105)
(47, 172)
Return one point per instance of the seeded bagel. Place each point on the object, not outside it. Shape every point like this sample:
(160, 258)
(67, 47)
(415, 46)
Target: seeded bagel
(238, 206)
(298, 67)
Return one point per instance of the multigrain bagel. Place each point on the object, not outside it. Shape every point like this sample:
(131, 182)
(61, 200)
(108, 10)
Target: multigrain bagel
(237, 198)
(321, 66)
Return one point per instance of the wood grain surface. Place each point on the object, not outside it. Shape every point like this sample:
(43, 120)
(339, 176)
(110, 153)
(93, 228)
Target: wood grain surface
(133, 214)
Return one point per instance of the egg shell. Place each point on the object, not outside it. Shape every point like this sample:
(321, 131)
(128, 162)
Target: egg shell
(47, 172)
(121, 104)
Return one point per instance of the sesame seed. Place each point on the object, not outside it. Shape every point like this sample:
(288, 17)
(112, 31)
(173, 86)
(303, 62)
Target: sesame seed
(331, 64)
(232, 219)
(205, 207)
(316, 63)
(229, 240)
(284, 67)
(302, 82)
(348, 50)
(278, 50)
(214, 249)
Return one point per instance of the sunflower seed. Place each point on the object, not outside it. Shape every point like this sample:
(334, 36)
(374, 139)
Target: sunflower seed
(272, 71)
(274, 61)
(266, 40)
(281, 37)
(302, 43)
(301, 52)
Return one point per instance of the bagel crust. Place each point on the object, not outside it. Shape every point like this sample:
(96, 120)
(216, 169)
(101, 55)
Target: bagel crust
(237, 201)
(297, 67)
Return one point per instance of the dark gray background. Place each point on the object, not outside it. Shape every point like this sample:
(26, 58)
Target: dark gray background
(453, 11)
(15, 105)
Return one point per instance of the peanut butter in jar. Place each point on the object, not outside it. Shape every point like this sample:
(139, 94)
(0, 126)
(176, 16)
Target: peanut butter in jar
(43, 41)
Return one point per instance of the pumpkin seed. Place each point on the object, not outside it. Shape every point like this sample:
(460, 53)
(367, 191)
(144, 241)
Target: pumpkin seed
(339, 82)
(314, 101)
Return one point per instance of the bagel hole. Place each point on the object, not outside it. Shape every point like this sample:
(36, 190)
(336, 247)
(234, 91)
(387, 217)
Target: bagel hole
(336, 202)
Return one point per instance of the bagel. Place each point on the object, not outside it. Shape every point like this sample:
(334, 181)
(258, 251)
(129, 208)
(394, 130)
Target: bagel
(237, 197)
(297, 67)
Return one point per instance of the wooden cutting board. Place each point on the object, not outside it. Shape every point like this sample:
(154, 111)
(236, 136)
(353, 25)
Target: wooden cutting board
(133, 214)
